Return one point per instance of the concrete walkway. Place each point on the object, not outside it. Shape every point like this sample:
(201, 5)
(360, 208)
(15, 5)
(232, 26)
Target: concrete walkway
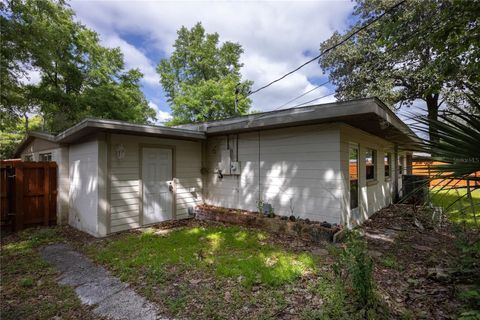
(94, 285)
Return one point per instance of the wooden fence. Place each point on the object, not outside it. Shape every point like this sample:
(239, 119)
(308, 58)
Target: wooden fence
(423, 168)
(28, 194)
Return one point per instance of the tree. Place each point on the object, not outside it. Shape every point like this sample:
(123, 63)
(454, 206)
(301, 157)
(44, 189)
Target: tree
(202, 79)
(79, 77)
(424, 50)
(12, 133)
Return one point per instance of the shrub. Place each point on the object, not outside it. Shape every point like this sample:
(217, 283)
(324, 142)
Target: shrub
(355, 267)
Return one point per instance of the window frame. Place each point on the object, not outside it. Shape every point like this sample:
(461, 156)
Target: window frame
(401, 160)
(42, 155)
(387, 156)
(374, 164)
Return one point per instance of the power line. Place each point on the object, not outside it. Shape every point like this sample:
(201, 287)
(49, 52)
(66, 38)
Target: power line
(303, 94)
(404, 43)
(330, 48)
(310, 101)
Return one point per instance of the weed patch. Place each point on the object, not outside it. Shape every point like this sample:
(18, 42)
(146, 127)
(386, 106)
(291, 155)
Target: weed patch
(29, 287)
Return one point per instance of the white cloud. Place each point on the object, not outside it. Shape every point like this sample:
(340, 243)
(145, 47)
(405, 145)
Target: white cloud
(162, 116)
(134, 58)
(274, 36)
(33, 76)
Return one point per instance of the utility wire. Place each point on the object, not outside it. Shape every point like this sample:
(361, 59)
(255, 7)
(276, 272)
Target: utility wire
(310, 101)
(298, 97)
(330, 48)
(295, 106)
(303, 94)
(429, 29)
(403, 41)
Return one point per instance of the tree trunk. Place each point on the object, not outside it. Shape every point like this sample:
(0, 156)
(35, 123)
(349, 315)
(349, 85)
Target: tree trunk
(432, 108)
(26, 121)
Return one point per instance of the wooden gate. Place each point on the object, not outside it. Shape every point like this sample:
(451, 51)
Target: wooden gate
(28, 194)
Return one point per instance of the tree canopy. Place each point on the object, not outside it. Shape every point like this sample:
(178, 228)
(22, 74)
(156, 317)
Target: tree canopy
(202, 78)
(424, 50)
(78, 76)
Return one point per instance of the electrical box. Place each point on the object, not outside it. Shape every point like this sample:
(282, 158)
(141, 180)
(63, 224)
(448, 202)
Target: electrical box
(235, 167)
(226, 165)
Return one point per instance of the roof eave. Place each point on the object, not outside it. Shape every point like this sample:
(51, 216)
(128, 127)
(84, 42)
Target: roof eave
(89, 126)
(29, 137)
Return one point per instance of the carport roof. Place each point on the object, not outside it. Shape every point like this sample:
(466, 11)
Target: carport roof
(370, 115)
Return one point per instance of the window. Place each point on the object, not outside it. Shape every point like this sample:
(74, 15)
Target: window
(353, 170)
(370, 164)
(28, 157)
(45, 156)
(387, 161)
(400, 165)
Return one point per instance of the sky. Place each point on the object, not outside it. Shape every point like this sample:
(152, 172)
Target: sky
(276, 36)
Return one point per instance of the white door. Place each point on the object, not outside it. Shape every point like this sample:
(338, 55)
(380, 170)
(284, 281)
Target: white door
(156, 177)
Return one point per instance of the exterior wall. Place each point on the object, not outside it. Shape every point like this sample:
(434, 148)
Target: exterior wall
(297, 170)
(38, 146)
(124, 195)
(373, 195)
(83, 193)
(63, 185)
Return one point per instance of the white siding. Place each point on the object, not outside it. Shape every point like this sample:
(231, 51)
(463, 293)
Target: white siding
(373, 195)
(83, 193)
(297, 170)
(125, 182)
(38, 146)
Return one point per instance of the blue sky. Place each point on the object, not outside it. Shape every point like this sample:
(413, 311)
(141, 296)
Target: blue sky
(276, 37)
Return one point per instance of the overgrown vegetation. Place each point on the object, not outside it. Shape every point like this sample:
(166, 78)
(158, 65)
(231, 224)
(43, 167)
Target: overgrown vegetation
(354, 268)
(29, 287)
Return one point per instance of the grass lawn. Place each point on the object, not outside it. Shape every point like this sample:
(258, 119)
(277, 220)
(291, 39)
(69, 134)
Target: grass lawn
(218, 271)
(200, 270)
(28, 286)
(458, 211)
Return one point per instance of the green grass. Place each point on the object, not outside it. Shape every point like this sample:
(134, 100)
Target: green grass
(457, 205)
(208, 272)
(29, 287)
(230, 252)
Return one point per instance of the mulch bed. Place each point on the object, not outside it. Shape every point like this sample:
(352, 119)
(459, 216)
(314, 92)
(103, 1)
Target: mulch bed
(414, 260)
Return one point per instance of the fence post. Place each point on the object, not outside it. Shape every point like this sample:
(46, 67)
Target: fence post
(19, 188)
(472, 204)
(46, 194)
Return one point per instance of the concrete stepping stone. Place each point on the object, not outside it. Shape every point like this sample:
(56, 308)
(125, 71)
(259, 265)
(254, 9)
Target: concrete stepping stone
(96, 287)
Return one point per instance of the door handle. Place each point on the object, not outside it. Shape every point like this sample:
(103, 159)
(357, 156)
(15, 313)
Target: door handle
(170, 186)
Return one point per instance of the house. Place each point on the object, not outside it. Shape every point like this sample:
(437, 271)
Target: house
(337, 162)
